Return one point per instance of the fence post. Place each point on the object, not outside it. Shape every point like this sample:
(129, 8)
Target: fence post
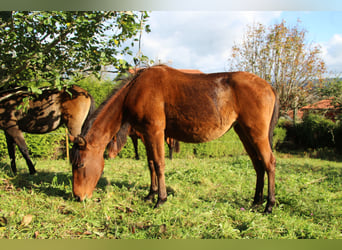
(67, 144)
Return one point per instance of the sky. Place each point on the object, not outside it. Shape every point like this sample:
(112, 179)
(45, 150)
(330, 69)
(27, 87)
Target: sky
(203, 39)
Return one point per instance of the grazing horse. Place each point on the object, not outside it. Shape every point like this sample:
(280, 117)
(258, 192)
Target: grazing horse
(44, 113)
(164, 102)
(113, 149)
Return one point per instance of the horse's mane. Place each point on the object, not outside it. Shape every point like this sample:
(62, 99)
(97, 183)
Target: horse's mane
(120, 138)
(124, 83)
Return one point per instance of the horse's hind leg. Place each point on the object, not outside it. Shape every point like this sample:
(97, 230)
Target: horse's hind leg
(11, 151)
(263, 160)
(258, 165)
(269, 162)
(15, 136)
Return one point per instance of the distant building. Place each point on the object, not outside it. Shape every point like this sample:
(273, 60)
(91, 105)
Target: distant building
(323, 107)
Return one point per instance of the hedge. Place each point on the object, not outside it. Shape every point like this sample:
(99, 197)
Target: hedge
(314, 132)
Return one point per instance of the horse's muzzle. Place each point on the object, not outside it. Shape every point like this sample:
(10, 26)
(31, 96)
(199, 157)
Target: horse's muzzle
(77, 198)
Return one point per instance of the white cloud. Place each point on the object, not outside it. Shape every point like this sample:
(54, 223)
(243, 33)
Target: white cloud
(198, 40)
(332, 53)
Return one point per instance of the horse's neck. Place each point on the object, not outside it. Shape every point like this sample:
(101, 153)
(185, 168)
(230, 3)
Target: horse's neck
(108, 121)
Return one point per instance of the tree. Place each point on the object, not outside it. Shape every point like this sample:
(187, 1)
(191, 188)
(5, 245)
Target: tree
(279, 54)
(53, 46)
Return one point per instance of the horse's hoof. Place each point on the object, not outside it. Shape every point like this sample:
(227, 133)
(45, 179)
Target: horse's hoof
(160, 202)
(148, 198)
(268, 210)
(33, 172)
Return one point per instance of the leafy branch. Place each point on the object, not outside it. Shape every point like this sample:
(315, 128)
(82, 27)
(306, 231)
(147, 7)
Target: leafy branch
(43, 46)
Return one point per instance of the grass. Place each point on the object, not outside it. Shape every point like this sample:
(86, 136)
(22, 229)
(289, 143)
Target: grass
(209, 198)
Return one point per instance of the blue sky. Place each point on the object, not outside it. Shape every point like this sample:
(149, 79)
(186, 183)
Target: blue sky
(203, 39)
(321, 25)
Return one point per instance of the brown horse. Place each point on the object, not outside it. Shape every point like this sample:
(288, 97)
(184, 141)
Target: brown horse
(45, 113)
(114, 149)
(163, 102)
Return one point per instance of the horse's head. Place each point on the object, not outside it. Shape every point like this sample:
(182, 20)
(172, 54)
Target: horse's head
(87, 167)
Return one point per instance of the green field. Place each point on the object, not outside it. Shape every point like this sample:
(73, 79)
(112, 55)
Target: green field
(208, 198)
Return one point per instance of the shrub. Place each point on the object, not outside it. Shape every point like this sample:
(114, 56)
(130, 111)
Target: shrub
(316, 131)
(3, 145)
(47, 146)
(338, 137)
(279, 135)
(99, 89)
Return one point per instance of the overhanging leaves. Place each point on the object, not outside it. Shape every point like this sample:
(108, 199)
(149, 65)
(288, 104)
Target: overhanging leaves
(45, 46)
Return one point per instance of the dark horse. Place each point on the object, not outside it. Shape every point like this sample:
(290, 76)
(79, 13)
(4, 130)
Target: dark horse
(163, 102)
(114, 147)
(45, 113)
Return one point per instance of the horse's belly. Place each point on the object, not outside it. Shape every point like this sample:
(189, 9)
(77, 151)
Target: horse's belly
(196, 133)
(199, 123)
(39, 124)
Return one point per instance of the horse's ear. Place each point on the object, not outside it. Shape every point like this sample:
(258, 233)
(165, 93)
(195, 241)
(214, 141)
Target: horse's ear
(82, 143)
(79, 140)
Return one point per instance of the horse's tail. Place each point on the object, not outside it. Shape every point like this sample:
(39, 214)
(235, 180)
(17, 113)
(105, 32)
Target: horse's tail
(274, 119)
(118, 141)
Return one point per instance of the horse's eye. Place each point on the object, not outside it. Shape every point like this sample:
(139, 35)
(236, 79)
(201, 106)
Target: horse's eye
(81, 165)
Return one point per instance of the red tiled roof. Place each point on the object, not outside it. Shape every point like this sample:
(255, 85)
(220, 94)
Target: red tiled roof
(320, 105)
(323, 104)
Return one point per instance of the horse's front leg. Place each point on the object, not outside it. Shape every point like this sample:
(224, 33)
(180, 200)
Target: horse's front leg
(155, 153)
(154, 182)
(135, 144)
(162, 194)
